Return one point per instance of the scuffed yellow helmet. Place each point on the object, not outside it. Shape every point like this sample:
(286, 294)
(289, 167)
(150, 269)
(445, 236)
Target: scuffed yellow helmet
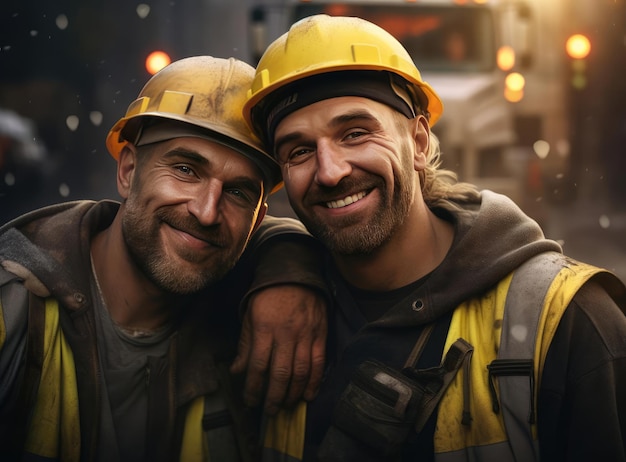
(205, 92)
(323, 44)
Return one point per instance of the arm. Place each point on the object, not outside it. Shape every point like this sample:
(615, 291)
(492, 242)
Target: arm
(13, 330)
(13, 322)
(284, 322)
(582, 399)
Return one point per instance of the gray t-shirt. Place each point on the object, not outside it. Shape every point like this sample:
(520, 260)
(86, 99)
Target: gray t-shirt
(126, 361)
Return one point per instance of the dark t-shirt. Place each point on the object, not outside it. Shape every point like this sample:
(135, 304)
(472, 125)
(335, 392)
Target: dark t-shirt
(127, 362)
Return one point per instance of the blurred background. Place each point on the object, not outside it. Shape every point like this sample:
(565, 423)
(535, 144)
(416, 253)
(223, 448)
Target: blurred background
(534, 94)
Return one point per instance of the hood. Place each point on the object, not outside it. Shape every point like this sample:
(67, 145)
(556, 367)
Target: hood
(43, 246)
(492, 238)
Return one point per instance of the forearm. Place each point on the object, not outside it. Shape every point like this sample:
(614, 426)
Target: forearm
(284, 253)
(284, 317)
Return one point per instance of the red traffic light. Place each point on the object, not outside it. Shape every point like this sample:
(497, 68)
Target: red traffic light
(578, 46)
(156, 61)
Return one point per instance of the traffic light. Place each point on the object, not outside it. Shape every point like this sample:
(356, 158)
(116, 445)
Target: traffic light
(156, 61)
(514, 84)
(505, 58)
(578, 48)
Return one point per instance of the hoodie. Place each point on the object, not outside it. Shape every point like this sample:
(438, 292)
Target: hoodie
(493, 237)
(46, 253)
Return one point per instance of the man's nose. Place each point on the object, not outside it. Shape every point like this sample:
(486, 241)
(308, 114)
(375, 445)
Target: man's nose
(205, 205)
(332, 166)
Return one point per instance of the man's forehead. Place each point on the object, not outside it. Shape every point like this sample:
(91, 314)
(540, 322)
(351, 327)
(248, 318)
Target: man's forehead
(337, 110)
(209, 151)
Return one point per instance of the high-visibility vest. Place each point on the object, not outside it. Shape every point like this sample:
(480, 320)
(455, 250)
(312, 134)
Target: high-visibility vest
(524, 311)
(53, 429)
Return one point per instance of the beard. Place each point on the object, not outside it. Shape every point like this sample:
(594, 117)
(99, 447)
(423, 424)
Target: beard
(199, 270)
(352, 235)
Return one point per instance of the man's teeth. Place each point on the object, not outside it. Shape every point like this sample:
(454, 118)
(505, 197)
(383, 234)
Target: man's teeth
(345, 201)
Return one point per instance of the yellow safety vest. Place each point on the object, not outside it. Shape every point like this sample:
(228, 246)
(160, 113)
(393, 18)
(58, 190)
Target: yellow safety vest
(523, 333)
(54, 428)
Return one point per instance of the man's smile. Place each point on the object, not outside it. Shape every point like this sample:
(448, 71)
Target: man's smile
(351, 199)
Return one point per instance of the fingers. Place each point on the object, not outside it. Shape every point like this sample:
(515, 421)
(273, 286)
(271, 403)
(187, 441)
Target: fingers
(253, 357)
(282, 346)
(296, 372)
(280, 376)
(258, 362)
(301, 371)
(285, 364)
(318, 355)
(293, 370)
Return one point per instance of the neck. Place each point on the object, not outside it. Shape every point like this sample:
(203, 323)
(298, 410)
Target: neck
(132, 300)
(416, 249)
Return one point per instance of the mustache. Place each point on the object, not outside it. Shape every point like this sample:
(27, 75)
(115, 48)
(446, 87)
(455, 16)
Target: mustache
(346, 186)
(189, 224)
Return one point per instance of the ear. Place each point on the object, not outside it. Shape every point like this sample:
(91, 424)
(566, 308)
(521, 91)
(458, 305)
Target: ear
(126, 167)
(259, 217)
(421, 136)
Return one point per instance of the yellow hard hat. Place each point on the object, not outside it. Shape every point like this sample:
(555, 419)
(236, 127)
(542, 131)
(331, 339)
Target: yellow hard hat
(322, 44)
(206, 93)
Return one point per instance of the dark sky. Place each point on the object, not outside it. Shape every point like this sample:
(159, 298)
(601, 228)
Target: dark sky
(82, 59)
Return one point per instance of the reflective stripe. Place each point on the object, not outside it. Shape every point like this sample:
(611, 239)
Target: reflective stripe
(522, 310)
(193, 448)
(530, 303)
(284, 435)
(54, 430)
(560, 294)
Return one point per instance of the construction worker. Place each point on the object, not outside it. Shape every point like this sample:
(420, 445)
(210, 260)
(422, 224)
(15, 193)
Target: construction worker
(118, 322)
(458, 331)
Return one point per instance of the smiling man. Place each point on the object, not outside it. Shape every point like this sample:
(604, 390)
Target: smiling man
(458, 331)
(119, 321)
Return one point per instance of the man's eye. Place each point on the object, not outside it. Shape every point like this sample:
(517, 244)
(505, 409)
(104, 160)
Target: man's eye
(298, 155)
(299, 152)
(185, 169)
(241, 195)
(354, 134)
(235, 192)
